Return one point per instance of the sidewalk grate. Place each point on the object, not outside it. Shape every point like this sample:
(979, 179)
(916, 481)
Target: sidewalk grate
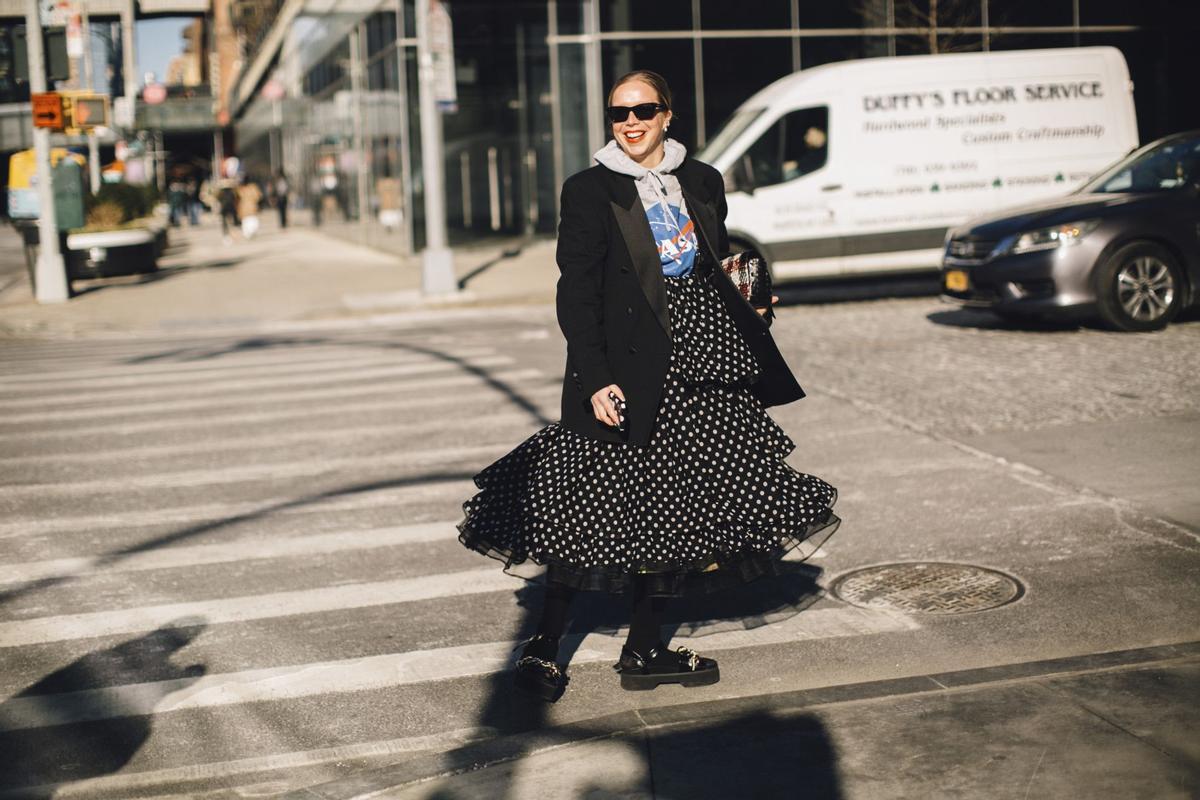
(928, 588)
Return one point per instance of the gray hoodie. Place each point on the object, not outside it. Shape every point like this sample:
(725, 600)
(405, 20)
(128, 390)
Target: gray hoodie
(662, 200)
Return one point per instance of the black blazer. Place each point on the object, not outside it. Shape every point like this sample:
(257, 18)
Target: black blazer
(612, 299)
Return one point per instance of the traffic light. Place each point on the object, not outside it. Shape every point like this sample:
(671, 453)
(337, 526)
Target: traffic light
(58, 66)
(83, 111)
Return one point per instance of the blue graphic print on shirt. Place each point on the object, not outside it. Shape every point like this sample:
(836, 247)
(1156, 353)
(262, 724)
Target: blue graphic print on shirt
(675, 236)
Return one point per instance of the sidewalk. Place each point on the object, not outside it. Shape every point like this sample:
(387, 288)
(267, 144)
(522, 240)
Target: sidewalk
(279, 277)
(1110, 725)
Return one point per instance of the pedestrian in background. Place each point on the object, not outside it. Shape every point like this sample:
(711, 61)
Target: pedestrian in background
(194, 205)
(177, 198)
(249, 196)
(665, 476)
(280, 189)
(227, 199)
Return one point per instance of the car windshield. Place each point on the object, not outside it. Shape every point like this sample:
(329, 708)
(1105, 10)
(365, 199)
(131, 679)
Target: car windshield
(730, 131)
(1169, 166)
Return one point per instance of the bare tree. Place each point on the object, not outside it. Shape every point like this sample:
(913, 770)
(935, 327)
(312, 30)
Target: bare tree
(942, 22)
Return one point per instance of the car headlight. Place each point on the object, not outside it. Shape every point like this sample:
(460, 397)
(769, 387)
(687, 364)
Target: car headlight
(1048, 238)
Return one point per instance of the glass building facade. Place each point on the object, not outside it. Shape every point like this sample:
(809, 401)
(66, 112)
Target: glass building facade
(532, 77)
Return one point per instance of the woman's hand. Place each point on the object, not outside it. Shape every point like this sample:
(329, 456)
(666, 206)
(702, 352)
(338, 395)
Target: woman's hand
(763, 311)
(603, 407)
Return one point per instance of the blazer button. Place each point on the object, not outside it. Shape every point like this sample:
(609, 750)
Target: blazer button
(629, 309)
(624, 269)
(632, 349)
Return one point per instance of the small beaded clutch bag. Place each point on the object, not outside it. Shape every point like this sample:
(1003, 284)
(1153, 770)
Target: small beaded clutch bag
(750, 275)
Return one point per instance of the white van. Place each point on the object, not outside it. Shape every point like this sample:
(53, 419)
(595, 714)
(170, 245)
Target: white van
(861, 166)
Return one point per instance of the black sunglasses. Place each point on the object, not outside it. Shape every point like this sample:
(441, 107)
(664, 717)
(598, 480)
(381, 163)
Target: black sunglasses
(642, 111)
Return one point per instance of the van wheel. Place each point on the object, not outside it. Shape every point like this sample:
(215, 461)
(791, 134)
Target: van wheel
(1139, 288)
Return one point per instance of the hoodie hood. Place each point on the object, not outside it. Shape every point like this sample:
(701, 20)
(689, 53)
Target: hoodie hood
(662, 200)
(616, 159)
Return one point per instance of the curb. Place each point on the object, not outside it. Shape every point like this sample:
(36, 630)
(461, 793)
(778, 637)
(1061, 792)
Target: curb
(502, 749)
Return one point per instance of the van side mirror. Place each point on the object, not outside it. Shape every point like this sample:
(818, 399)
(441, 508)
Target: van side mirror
(737, 179)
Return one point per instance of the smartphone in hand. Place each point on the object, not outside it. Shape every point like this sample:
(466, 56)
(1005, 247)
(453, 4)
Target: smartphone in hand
(620, 405)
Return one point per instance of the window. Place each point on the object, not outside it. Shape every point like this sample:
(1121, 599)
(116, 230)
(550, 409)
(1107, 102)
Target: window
(796, 145)
(1170, 166)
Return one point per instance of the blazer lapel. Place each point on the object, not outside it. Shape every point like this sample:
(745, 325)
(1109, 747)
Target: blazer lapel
(703, 215)
(639, 239)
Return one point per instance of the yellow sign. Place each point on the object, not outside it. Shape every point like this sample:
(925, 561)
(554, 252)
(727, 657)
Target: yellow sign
(84, 111)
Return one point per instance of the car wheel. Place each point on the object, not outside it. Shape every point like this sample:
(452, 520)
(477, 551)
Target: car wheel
(1139, 288)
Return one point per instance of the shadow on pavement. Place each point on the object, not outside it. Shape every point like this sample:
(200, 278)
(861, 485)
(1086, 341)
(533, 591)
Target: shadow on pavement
(49, 736)
(983, 319)
(804, 752)
(82, 286)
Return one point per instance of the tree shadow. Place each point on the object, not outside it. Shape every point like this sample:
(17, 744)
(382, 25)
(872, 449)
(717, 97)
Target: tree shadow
(508, 391)
(194, 531)
(64, 728)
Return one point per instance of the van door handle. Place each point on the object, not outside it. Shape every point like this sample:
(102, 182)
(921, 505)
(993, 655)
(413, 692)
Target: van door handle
(831, 187)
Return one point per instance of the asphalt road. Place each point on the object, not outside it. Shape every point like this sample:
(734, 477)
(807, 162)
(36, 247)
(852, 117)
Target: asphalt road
(228, 564)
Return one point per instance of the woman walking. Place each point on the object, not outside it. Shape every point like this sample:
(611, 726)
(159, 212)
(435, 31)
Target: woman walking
(665, 476)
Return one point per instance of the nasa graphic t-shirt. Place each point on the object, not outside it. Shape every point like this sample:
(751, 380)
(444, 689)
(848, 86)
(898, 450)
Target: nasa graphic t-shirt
(662, 199)
(675, 236)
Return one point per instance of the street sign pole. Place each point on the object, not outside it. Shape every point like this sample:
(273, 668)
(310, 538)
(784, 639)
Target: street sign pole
(93, 142)
(437, 260)
(50, 274)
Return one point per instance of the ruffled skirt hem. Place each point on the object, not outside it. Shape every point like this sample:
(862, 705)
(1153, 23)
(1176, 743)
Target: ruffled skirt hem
(715, 572)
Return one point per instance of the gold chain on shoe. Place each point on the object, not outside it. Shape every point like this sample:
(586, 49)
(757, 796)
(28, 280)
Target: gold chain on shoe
(549, 667)
(693, 658)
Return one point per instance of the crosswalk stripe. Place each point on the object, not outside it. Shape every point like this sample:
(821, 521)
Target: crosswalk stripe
(249, 549)
(224, 514)
(399, 669)
(307, 395)
(19, 633)
(479, 394)
(91, 381)
(501, 422)
(136, 783)
(222, 387)
(258, 472)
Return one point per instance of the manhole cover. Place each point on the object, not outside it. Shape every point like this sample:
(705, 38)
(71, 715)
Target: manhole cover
(928, 588)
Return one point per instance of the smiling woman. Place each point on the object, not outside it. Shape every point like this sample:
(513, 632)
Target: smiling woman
(665, 476)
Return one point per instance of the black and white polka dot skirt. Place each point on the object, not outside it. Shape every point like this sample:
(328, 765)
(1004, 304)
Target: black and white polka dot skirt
(709, 504)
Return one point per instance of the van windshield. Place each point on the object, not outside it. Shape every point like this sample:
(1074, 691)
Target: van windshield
(1169, 166)
(730, 131)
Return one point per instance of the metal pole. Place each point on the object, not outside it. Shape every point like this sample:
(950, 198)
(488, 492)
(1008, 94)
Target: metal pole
(361, 174)
(698, 69)
(275, 139)
(93, 142)
(528, 186)
(405, 132)
(437, 260)
(593, 75)
(50, 273)
(556, 134)
(128, 62)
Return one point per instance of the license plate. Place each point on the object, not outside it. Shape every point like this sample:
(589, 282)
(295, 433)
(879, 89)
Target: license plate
(956, 280)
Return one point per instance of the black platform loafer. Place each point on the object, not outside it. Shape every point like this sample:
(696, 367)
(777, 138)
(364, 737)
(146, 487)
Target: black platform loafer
(538, 673)
(681, 665)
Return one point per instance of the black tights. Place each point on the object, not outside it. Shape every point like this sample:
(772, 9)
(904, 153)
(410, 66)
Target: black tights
(645, 624)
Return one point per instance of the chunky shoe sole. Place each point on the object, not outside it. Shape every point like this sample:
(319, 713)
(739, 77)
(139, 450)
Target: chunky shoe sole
(640, 683)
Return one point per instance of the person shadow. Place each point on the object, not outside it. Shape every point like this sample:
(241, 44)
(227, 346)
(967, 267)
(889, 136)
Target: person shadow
(787, 752)
(67, 728)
